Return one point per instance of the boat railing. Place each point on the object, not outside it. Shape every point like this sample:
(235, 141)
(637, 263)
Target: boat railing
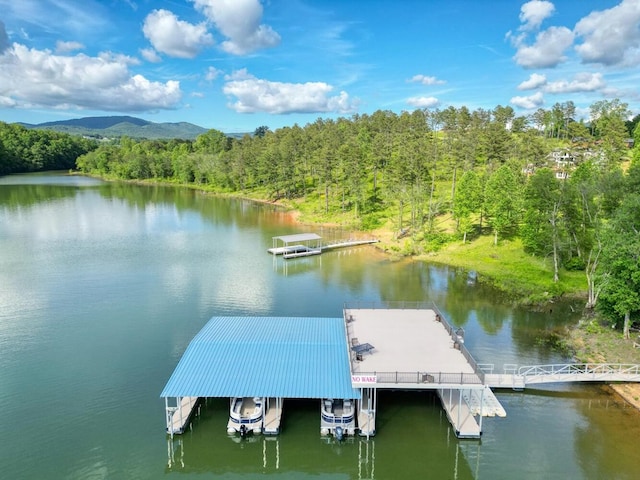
(337, 419)
(439, 378)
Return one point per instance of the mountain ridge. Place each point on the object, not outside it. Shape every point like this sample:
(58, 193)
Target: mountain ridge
(120, 126)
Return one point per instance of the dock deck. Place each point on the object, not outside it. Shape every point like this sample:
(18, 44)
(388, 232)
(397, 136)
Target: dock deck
(416, 348)
(406, 346)
(366, 415)
(459, 413)
(295, 250)
(181, 415)
(272, 416)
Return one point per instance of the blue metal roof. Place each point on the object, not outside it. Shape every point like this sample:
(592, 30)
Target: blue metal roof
(288, 357)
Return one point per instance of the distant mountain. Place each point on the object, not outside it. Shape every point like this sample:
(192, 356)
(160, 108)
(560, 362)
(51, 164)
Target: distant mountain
(120, 126)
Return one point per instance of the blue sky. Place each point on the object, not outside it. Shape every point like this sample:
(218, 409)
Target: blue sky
(234, 65)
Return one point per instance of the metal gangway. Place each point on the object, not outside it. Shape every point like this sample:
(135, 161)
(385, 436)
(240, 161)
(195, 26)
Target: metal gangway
(519, 378)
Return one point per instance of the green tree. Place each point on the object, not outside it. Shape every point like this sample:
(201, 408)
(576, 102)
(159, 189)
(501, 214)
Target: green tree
(583, 220)
(541, 230)
(608, 119)
(212, 142)
(620, 298)
(261, 131)
(467, 202)
(502, 201)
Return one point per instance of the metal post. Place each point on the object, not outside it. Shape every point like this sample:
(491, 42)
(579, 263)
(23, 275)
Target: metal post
(180, 410)
(459, 407)
(482, 406)
(168, 417)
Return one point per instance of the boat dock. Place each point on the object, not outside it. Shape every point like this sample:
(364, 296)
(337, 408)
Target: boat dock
(307, 244)
(268, 359)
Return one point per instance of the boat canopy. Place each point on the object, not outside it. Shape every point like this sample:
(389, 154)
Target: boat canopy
(298, 237)
(286, 357)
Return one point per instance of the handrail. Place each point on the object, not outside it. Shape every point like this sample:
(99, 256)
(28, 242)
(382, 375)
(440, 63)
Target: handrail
(440, 378)
(580, 369)
(377, 305)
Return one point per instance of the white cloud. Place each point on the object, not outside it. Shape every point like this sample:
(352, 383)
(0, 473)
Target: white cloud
(534, 12)
(71, 18)
(6, 102)
(530, 102)
(239, 21)
(66, 47)
(423, 102)
(256, 95)
(39, 78)
(212, 74)
(582, 82)
(534, 81)
(426, 80)
(548, 49)
(611, 37)
(175, 37)
(150, 55)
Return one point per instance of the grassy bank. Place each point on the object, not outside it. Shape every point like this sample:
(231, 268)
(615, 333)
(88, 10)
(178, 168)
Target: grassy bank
(594, 341)
(526, 278)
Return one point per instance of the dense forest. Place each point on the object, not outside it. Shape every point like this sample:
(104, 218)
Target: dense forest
(569, 190)
(25, 150)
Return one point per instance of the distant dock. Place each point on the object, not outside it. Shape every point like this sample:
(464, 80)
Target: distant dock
(307, 244)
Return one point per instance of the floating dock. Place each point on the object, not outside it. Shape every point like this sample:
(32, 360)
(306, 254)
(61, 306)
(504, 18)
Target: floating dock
(370, 348)
(307, 244)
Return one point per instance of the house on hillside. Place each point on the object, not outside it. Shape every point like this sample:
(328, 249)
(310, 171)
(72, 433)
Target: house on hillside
(564, 162)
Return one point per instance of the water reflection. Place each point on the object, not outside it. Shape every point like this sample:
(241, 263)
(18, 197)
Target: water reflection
(264, 455)
(103, 286)
(417, 438)
(608, 431)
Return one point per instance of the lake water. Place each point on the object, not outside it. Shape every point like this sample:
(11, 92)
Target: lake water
(103, 285)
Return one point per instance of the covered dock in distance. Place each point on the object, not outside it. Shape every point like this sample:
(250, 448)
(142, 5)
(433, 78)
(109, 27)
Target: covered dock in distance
(298, 245)
(269, 357)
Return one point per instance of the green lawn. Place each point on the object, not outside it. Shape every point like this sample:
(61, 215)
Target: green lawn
(510, 269)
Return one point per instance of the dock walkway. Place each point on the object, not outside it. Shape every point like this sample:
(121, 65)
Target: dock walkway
(272, 416)
(520, 377)
(459, 413)
(181, 415)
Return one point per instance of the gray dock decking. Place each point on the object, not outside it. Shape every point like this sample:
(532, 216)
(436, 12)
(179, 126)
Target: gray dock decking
(181, 416)
(272, 416)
